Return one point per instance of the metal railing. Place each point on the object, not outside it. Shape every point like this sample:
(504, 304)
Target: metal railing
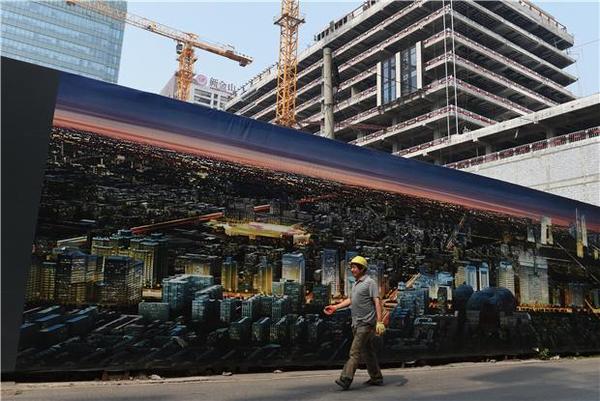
(340, 106)
(430, 88)
(527, 148)
(543, 15)
(447, 34)
(422, 146)
(419, 120)
(477, 68)
(515, 46)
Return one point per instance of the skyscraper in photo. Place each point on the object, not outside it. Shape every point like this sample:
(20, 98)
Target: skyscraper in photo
(330, 268)
(293, 267)
(122, 284)
(265, 276)
(484, 276)
(229, 275)
(75, 277)
(349, 279)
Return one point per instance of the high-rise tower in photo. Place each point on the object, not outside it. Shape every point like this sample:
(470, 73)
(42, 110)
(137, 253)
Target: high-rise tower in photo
(229, 275)
(484, 276)
(330, 270)
(349, 279)
(265, 276)
(293, 267)
(122, 284)
(76, 275)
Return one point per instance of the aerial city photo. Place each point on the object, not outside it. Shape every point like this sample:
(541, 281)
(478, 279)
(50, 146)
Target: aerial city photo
(145, 257)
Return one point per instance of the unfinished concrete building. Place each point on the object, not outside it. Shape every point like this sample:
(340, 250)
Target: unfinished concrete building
(417, 75)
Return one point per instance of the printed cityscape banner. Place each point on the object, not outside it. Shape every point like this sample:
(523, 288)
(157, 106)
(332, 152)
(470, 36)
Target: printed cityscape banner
(175, 237)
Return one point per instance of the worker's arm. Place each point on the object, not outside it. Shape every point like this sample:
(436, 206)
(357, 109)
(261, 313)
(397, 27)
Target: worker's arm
(330, 309)
(378, 309)
(379, 327)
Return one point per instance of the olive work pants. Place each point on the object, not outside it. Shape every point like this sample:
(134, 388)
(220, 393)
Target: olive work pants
(362, 345)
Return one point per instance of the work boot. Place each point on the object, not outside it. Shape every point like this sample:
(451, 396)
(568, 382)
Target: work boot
(343, 382)
(374, 382)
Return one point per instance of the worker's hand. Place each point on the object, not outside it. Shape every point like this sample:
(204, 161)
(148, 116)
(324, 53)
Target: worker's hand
(329, 309)
(380, 328)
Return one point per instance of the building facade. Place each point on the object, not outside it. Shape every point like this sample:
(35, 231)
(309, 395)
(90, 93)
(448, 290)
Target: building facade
(65, 37)
(533, 279)
(206, 91)
(471, 64)
(506, 276)
(436, 81)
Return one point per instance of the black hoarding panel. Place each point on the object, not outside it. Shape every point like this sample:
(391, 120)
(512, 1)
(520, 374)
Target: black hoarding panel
(28, 95)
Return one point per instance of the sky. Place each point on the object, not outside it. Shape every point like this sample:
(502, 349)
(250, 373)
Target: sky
(149, 60)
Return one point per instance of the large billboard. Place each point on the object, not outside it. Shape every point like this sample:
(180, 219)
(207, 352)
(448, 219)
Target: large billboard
(176, 237)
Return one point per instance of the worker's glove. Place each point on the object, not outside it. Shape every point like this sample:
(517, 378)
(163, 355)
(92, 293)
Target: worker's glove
(380, 328)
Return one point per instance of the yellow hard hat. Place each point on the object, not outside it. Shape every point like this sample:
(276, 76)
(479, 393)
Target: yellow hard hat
(359, 260)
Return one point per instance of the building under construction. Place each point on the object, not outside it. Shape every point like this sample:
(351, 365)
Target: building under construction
(454, 83)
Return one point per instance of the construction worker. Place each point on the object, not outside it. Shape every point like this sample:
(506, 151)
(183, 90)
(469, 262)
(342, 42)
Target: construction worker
(367, 321)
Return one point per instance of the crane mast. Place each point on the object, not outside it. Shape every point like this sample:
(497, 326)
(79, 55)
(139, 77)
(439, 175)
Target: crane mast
(287, 69)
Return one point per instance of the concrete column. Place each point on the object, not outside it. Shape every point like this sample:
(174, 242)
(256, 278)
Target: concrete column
(354, 91)
(395, 147)
(328, 93)
(419, 55)
(488, 148)
(437, 133)
(379, 81)
(398, 76)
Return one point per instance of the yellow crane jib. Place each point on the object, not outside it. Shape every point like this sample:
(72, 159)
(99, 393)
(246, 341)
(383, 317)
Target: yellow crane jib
(186, 42)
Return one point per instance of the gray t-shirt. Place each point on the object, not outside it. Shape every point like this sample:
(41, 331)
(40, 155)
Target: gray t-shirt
(363, 306)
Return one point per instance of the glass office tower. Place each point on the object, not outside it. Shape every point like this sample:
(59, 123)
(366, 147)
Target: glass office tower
(61, 36)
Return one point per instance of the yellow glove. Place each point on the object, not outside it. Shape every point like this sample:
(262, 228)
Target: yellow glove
(380, 328)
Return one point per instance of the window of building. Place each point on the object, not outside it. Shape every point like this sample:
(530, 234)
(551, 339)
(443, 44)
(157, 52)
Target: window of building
(203, 93)
(201, 100)
(388, 80)
(408, 70)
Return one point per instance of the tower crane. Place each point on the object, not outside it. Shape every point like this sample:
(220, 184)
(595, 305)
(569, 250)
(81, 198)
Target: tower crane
(186, 42)
(287, 69)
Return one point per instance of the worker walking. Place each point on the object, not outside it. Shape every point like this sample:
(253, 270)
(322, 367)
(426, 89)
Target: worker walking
(367, 316)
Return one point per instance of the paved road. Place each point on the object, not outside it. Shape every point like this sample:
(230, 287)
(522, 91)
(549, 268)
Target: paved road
(560, 380)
